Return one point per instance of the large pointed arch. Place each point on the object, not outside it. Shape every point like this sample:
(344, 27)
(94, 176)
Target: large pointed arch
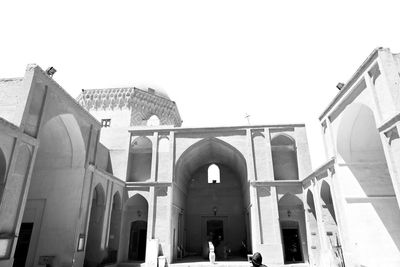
(61, 143)
(211, 210)
(208, 151)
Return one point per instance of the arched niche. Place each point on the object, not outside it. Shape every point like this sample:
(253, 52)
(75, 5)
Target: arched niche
(135, 225)
(284, 158)
(95, 253)
(293, 229)
(153, 121)
(211, 211)
(140, 158)
(115, 228)
(367, 186)
(61, 144)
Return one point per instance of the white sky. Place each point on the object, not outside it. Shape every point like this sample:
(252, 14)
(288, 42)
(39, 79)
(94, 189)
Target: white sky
(278, 61)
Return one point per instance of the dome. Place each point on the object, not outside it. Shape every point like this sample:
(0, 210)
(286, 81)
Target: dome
(158, 92)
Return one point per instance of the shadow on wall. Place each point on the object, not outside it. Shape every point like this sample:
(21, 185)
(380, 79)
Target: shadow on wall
(360, 147)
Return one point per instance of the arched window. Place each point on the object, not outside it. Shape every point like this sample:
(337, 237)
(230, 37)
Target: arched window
(153, 121)
(213, 174)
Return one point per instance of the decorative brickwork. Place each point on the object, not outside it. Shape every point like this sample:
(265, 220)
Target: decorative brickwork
(143, 104)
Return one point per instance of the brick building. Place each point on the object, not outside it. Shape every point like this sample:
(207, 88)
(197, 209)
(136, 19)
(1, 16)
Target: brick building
(113, 179)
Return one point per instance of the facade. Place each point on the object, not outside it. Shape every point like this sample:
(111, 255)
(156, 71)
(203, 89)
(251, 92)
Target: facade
(113, 179)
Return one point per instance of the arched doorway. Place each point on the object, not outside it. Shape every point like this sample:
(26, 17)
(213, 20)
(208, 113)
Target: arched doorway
(372, 209)
(94, 252)
(134, 242)
(213, 201)
(293, 229)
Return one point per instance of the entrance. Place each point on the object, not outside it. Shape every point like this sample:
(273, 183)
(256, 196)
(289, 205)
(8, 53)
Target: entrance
(215, 231)
(21, 251)
(137, 241)
(292, 245)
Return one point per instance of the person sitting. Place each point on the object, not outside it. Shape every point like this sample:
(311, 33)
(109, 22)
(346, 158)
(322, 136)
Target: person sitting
(256, 260)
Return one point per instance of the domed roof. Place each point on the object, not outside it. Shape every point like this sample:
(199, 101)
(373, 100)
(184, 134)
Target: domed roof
(158, 92)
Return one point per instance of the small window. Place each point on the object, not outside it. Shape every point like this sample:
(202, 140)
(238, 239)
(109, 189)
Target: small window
(105, 122)
(213, 174)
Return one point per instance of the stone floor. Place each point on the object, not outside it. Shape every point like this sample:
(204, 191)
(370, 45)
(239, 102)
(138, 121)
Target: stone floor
(199, 262)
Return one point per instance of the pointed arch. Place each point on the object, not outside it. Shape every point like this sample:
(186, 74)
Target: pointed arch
(327, 204)
(293, 228)
(135, 225)
(206, 151)
(61, 143)
(284, 157)
(93, 253)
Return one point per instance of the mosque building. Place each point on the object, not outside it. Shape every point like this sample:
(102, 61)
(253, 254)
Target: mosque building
(112, 178)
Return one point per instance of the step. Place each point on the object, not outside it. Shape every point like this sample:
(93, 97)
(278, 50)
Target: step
(132, 264)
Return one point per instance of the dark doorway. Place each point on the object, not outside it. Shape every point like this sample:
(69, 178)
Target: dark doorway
(292, 245)
(215, 231)
(137, 241)
(21, 251)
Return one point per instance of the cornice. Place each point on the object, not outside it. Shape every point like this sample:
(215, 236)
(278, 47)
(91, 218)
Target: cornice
(352, 80)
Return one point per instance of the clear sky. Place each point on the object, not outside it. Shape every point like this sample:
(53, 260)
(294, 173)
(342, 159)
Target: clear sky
(278, 61)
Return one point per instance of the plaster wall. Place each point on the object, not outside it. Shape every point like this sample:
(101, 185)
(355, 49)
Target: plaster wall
(116, 137)
(366, 183)
(58, 189)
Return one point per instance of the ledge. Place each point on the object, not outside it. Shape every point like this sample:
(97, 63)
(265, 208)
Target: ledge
(319, 170)
(276, 183)
(389, 123)
(145, 184)
(352, 80)
(221, 128)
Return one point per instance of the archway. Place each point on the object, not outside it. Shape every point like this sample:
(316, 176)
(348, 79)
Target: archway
(373, 212)
(115, 228)
(214, 199)
(94, 252)
(284, 158)
(140, 158)
(135, 224)
(57, 178)
(293, 230)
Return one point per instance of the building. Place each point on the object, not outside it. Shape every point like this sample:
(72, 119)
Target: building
(113, 179)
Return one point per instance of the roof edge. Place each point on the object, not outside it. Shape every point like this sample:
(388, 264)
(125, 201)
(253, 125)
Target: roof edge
(352, 80)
